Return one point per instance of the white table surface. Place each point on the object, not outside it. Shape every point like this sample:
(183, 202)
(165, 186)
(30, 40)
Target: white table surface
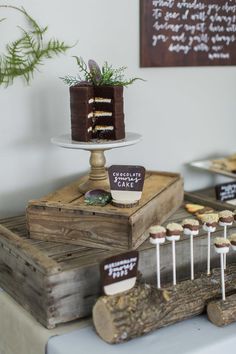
(194, 336)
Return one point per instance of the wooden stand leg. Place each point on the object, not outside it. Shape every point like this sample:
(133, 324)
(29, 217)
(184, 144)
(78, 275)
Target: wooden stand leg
(222, 313)
(98, 178)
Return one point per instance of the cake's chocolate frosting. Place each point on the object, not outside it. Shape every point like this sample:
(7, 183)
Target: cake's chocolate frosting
(158, 235)
(221, 242)
(211, 224)
(80, 109)
(191, 227)
(173, 232)
(221, 245)
(229, 219)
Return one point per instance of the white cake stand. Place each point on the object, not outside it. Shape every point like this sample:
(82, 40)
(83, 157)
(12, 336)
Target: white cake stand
(97, 178)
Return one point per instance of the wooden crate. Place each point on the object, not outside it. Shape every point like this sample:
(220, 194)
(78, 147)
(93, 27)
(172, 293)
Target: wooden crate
(58, 283)
(207, 196)
(63, 216)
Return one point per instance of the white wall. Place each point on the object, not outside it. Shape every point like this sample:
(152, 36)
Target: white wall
(184, 114)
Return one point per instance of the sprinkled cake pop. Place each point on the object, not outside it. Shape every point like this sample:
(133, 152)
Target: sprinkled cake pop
(210, 222)
(222, 247)
(226, 218)
(157, 236)
(173, 231)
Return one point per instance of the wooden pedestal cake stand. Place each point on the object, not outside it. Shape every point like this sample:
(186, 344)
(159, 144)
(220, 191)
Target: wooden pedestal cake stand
(97, 178)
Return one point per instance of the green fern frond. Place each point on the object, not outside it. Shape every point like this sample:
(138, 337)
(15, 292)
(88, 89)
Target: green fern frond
(24, 55)
(54, 46)
(71, 80)
(108, 75)
(83, 68)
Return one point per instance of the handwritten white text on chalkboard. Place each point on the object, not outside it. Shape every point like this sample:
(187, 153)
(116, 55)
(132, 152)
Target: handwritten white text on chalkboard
(195, 27)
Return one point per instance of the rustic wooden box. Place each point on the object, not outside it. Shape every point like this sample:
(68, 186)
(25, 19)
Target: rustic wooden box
(63, 216)
(58, 283)
(207, 196)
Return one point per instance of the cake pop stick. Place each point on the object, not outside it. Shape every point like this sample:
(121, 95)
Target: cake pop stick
(191, 228)
(209, 224)
(222, 247)
(226, 218)
(173, 232)
(157, 236)
(222, 275)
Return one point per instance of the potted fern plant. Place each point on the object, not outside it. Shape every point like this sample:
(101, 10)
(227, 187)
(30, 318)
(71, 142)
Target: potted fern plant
(96, 101)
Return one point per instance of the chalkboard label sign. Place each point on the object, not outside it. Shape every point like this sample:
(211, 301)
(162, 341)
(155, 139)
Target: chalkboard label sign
(225, 191)
(119, 273)
(187, 32)
(126, 183)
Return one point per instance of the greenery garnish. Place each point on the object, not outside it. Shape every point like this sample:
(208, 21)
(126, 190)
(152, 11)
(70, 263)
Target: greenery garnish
(92, 74)
(24, 55)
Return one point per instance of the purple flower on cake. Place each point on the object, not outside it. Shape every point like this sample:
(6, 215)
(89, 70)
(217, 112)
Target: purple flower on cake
(95, 70)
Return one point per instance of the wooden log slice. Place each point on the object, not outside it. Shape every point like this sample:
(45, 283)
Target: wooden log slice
(222, 313)
(144, 308)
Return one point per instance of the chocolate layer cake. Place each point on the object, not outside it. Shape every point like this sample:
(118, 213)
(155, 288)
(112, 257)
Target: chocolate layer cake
(97, 112)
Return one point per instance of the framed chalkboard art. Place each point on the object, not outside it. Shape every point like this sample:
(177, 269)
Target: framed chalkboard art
(187, 32)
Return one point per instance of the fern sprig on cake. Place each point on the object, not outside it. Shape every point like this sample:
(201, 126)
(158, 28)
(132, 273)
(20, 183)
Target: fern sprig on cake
(92, 74)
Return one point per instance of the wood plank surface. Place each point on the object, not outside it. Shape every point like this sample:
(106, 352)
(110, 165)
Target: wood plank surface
(69, 199)
(66, 194)
(26, 251)
(83, 229)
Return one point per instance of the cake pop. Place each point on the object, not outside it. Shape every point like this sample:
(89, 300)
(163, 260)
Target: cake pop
(157, 236)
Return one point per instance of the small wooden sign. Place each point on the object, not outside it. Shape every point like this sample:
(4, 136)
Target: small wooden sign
(126, 183)
(119, 273)
(225, 191)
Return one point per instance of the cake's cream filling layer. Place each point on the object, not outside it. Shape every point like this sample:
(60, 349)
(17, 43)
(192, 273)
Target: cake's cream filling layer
(102, 100)
(102, 114)
(90, 129)
(103, 127)
(99, 100)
